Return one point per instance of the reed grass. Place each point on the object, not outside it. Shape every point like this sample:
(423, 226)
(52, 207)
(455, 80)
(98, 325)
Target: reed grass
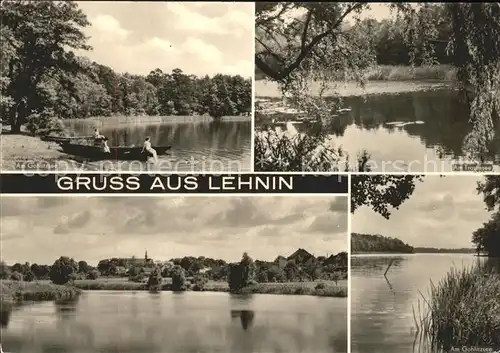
(463, 309)
(320, 289)
(36, 291)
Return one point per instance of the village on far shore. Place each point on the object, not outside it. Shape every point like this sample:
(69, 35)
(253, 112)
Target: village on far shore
(300, 273)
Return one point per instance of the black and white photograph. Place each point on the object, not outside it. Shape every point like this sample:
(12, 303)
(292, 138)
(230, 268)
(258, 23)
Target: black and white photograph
(174, 274)
(377, 87)
(127, 86)
(425, 263)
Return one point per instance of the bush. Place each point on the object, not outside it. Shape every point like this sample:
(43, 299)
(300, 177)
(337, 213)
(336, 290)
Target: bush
(320, 286)
(154, 280)
(199, 283)
(16, 276)
(93, 275)
(44, 123)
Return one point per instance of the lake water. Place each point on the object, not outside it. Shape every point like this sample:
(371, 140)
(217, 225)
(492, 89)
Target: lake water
(140, 322)
(196, 146)
(382, 310)
(384, 125)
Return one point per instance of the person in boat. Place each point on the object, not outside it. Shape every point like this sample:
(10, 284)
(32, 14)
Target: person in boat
(105, 146)
(98, 138)
(147, 147)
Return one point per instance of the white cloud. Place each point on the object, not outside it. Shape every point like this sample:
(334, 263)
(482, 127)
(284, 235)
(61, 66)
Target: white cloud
(223, 227)
(105, 28)
(190, 17)
(207, 52)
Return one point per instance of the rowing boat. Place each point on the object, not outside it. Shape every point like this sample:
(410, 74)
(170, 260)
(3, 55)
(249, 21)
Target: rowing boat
(117, 153)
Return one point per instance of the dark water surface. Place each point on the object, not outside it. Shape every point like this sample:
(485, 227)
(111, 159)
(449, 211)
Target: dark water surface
(140, 322)
(382, 310)
(413, 131)
(196, 146)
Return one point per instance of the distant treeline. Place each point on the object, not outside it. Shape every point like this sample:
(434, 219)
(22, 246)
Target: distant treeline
(387, 42)
(42, 79)
(368, 243)
(425, 250)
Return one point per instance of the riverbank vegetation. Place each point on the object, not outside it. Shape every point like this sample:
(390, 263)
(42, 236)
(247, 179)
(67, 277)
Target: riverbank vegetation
(62, 85)
(17, 291)
(299, 43)
(462, 310)
(299, 273)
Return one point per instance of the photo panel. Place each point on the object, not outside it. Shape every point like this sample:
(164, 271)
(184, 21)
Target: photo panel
(175, 274)
(377, 87)
(425, 263)
(128, 86)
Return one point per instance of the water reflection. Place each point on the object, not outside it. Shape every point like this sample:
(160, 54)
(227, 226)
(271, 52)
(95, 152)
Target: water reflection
(216, 144)
(245, 316)
(410, 128)
(189, 322)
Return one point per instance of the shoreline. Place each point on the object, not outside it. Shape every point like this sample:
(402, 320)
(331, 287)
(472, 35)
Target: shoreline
(320, 288)
(265, 89)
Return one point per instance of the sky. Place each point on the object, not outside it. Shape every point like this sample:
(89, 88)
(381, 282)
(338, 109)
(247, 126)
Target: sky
(199, 38)
(441, 212)
(41, 229)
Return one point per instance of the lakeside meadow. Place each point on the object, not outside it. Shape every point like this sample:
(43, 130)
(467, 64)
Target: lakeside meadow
(437, 295)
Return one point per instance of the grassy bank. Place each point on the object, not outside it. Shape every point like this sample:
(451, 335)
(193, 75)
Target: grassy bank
(324, 288)
(17, 291)
(320, 289)
(462, 310)
(27, 152)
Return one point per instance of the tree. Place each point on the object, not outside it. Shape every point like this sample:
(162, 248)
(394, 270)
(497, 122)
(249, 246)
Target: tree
(92, 275)
(28, 276)
(83, 267)
(178, 278)
(60, 25)
(292, 271)
(490, 189)
(381, 192)
(199, 282)
(155, 279)
(487, 238)
(4, 271)
(16, 276)
(40, 271)
(63, 269)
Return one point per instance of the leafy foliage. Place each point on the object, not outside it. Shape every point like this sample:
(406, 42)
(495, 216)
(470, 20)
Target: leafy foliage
(155, 280)
(63, 269)
(381, 192)
(487, 238)
(178, 279)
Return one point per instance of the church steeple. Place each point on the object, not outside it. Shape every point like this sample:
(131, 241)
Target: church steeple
(146, 255)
